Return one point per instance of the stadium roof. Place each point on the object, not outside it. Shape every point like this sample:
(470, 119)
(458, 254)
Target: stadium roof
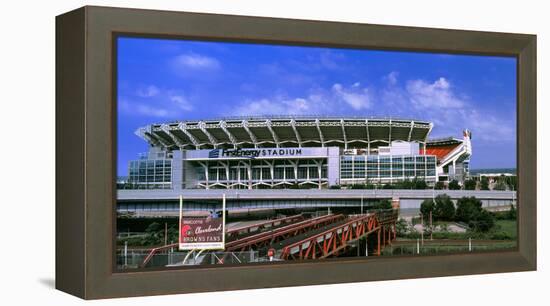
(284, 131)
(444, 141)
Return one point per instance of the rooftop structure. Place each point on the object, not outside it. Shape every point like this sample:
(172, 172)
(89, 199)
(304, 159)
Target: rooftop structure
(256, 132)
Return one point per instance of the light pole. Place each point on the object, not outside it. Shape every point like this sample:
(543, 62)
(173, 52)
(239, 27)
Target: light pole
(422, 228)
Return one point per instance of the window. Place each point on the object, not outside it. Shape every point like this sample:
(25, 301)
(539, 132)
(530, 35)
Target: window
(289, 172)
(266, 174)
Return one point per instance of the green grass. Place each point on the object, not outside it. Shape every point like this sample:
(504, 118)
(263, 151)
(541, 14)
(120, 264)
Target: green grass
(507, 226)
(503, 230)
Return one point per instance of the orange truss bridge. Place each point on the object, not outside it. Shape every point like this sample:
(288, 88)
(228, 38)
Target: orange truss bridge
(337, 237)
(236, 233)
(295, 238)
(265, 239)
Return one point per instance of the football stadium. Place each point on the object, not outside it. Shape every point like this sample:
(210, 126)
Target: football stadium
(287, 183)
(295, 152)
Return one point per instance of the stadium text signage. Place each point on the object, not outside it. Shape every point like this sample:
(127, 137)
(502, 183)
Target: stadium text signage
(253, 153)
(201, 233)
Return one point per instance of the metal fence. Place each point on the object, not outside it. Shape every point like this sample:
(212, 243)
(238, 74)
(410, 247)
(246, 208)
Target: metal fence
(132, 259)
(445, 247)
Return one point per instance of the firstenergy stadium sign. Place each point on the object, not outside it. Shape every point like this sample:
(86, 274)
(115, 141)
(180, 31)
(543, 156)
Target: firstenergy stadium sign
(252, 153)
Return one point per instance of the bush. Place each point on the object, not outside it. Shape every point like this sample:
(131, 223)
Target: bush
(439, 186)
(470, 185)
(401, 227)
(382, 204)
(469, 211)
(484, 183)
(335, 187)
(512, 182)
(454, 185)
(405, 184)
(512, 213)
(420, 184)
(501, 236)
(500, 185)
(467, 208)
(483, 221)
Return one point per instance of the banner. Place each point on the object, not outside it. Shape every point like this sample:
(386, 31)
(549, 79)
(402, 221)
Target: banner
(202, 233)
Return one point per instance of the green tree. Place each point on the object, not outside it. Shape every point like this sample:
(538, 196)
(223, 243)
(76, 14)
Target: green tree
(401, 227)
(484, 183)
(405, 184)
(512, 213)
(453, 185)
(153, 235)
(501, 184)
(444, 208)
(470, 184)
(467, 208)
(383, 204)
(512, 182)
(420, 184)
(483, 221)
(469, 211)
(439, 186)
(426, 207)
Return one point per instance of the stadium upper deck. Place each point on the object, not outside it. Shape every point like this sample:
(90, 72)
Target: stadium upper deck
(281, 131)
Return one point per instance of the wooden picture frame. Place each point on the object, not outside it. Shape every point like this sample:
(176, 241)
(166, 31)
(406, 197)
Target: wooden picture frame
(86, 150)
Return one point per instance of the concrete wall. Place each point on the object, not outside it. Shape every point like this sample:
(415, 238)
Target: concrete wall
(333, 166)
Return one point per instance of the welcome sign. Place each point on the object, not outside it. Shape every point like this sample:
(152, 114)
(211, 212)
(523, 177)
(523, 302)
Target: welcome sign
(202, 233)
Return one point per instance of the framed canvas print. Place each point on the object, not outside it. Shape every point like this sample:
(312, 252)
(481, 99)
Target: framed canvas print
(200, 152)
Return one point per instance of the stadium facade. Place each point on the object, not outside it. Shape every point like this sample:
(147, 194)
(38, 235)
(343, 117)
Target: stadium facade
(295, 152)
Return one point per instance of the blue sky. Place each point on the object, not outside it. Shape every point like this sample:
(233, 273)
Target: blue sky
(165, 80)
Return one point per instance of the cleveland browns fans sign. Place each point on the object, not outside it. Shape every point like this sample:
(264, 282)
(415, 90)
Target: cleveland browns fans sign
(202, 233)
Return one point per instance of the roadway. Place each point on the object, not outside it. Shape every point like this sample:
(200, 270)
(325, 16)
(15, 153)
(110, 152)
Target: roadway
(314, 194)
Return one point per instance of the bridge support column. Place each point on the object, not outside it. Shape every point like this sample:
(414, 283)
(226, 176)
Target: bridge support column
(378, 248)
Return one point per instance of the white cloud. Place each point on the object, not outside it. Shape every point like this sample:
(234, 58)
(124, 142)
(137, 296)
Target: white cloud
(356, 97)
(436, 101)
(331, 60)
(391, 78)
(155, 102)
(436, 94)
(450, 110)
(148, 110)
(149, 91)
(181, 102)
(317, 101)
(280, 105)
(197, 62)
